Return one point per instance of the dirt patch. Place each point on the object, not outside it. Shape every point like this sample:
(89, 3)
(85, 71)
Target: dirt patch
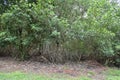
(88, 68)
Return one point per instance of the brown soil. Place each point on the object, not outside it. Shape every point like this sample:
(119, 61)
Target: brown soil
(88, 68)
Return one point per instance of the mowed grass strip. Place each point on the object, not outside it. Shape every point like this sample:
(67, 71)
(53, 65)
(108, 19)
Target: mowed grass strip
(113, 74)
(23, 76)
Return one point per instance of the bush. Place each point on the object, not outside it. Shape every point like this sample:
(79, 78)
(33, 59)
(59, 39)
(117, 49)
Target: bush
(63, 30)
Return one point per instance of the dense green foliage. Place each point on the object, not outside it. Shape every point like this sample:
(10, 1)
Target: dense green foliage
(61, 30)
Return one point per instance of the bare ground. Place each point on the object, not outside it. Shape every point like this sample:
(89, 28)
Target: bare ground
(91, 69)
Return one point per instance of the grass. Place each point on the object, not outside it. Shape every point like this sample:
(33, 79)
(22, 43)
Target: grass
(23, 76)
(113, 74)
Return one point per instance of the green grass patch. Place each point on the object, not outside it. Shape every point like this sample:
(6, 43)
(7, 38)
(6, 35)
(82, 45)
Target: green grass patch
(23, 76)
(113, 74)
